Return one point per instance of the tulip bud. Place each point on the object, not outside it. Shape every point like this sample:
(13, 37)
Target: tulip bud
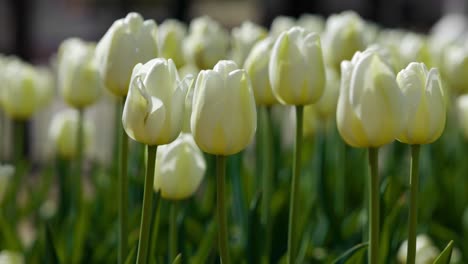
(326, 105)
(313, 23)
(78, 76)
(281, 24)
(456, 67)
(296, 69)
(154, 110)
(344, 35)
(128, 41)
(6, 173)
(180, 167)
(425, 104)
(462, 112)
(63, 133)
(426, 252)
(370, 110)
(224, 117)
(26, 89)
(171, 35)
(11, 257)
(244, 38)
(207, 43)
(256, 66)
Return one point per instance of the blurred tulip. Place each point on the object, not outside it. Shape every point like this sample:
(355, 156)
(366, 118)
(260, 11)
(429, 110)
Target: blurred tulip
(207, 43)
(425, 104)
(180, 167)
(256, 66)
(281, 24)
(456, 67)
(310, 22)
(344, 35)
(414, 48)
(426, 252)
(11, 257)
(244, 38)
(449, 30)
(224, 116)
(296, 69)
(6, 173)
(154, 109)
(26, 89)
(78, 76)
(62, 133)
(326, 105)
(188, 106)
(462, 112)
(371, 106)
(171, 35)
(128, 41)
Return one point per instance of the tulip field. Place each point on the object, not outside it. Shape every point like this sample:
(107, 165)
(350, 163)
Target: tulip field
(318, 140)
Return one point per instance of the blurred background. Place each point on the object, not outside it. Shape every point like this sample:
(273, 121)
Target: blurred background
(33, 30)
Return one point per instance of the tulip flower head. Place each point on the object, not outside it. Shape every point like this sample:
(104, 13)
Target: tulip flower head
(63, 133)
(296, 68)
(425, 110)
(456, 67)
(426, 252)
(281, 24)
(78, 76)
(313, 23)
(171, 35)
(207, 43)
(154, 110)
(244, 38)
(371, 107)
(26, 89)
(344, 35)
(224, 117)
(180, 167)
(256, 66)
(128, 41)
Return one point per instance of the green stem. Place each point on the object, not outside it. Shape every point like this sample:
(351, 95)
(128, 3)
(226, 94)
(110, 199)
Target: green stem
(156, 213)
(147, 206)
(123, 190)
(79, 159)
(295, 183)
(172, 231)
(374, 207)
(221, 209)
(19, 135)
(267, 180)
(413, 210)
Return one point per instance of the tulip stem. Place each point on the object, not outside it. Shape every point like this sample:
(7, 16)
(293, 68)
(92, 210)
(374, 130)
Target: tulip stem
(265, 137)
(172, 231)
(295, 183)
(413, 210)
(123, 190)
(374, 207)
(19, 135)
(147, 206)
(221, 209)
(79, 158)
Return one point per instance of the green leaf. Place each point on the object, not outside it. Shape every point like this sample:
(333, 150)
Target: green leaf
(131, 257)
(354, 255)
(178, 259)
(50, 254)
(444, 257)
(206, 244)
